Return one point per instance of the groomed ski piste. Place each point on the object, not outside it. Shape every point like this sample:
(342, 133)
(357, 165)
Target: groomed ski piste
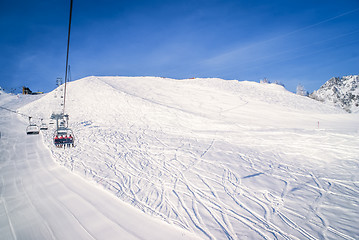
(42, 200)
(159, 158)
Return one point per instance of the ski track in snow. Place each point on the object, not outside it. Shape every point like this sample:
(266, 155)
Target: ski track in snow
(41, 200)
(223, 160)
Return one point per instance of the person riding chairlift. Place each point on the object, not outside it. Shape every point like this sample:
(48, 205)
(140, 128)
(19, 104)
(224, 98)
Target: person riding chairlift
(56, 141)
(65, 140)
(70, 140)
(61, 140)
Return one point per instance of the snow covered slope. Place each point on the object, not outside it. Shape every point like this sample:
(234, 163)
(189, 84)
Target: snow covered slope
(41, 200)
(342, 92)
(223, 159)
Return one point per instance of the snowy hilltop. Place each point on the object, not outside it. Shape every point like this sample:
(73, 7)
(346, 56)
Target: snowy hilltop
(341, 91)
(221, 159)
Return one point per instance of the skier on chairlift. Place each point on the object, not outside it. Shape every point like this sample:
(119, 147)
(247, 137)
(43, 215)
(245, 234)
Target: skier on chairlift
(56, 141)
(61, 141)
(65, 141)
(71, 140)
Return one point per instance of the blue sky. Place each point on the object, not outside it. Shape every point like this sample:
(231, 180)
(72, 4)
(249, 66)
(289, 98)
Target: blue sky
(293, 42)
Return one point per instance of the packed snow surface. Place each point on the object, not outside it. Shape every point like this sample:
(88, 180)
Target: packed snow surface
(39, 199)
(221, 159)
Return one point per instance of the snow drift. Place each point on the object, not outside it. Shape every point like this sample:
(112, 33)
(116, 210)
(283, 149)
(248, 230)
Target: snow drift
(223, 159)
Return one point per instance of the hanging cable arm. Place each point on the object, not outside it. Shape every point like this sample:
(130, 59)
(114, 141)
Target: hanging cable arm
(67, 54)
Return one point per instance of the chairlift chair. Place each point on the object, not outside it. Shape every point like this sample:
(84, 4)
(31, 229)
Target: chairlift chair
(63, 131)
(43, 126)
(32, 129)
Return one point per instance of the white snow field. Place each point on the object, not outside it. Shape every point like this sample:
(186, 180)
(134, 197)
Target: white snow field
(39, 199)
(221, 159)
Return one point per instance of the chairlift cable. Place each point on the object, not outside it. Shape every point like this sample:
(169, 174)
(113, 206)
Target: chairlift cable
(69, 74)
(67, 54)
(13, 111)
(63, 130)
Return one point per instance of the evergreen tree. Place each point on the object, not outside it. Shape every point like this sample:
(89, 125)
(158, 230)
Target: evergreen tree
(301, 90)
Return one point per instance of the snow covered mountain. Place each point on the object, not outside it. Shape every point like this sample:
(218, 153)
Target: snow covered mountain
(222, 159)
(342, 92)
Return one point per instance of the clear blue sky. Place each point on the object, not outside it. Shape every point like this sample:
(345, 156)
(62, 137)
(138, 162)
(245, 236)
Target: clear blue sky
(293, 42)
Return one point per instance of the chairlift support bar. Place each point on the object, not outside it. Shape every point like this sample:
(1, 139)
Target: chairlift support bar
(60, 116)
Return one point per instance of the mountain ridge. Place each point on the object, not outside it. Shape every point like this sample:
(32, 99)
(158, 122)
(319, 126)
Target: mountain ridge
(340, 91)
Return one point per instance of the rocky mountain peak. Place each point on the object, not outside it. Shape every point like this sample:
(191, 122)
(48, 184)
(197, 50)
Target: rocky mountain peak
(341, 91)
